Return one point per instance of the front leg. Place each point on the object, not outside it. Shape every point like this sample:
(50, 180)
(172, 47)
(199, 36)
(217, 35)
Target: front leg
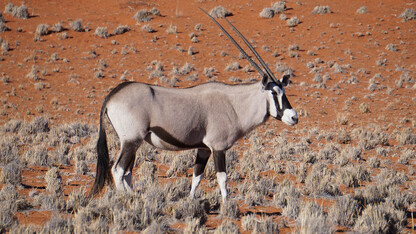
(202, 157)
(220, 168)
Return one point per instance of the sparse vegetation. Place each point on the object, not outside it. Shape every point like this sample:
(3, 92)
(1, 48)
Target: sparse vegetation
(321, 10)
(349, 166)
(219, 12)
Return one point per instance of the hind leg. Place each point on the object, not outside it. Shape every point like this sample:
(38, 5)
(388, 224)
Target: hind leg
(202, 157)
(122, 169)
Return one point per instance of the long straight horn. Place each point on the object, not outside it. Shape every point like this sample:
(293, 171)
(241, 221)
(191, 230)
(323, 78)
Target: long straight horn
(254, 64)
(268, 71)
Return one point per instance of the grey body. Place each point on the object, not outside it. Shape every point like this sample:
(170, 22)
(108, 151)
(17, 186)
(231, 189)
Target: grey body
(209, 117)
(212, 115)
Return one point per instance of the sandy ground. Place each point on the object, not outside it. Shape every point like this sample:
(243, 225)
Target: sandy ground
(73, 93)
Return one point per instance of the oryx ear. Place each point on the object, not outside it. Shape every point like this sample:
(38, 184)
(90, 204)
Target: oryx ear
(285, 80)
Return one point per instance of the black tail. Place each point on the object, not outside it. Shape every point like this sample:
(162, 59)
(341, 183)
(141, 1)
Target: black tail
(103, 161)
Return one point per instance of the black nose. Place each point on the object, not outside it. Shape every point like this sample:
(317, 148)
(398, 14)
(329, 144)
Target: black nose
(295, 119)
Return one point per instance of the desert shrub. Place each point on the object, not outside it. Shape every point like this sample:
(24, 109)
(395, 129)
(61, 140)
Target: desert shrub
(219, 12)
(379, 218)
(7, 218)
(53, 181)
(292, 22)
(144, 15)
(370, 138)
(259, 225)
(388, 177)
(76, 200)
(345, 211)
(20, 12)
(408, 14)
(24, 229)
(148, 28)
(373, 162)
(362, 10)
(288, 198)
(42, 29)
(121, 29)
(312, 219)
(329, 152)
(193, 226)
(186, 69)
(101, 32)
(81, 167)
(172, 29)
(267, 13)
(95, 217)
(3, 28)
(178, 190)
(76, 25)
(8, 8)
(233, 66)
(180, 164)
(227, 227)
(37, 126)
(279, 7)
(189, 208)
(255, 191)
(57, 28)
(58, 225)
(49, 202)
(209, 72)
(321, 10)
(37, 155)
(319, 181)
(230, 209)
(8, 151)
(406, 137)
(11, 173)
(352, 175)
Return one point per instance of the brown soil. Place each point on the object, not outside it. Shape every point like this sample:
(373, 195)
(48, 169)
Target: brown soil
(355, 39)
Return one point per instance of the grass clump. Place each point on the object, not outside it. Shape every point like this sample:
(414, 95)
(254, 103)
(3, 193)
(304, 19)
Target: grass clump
(312, 219)
(321, 10)
(20, 12)
(227, 226)
(42, 29)
(219, 12)
(362, 10)
(121, 29)
(267, 13)
(76, 25)
(292, 22)
(379, 218)
(101, 32)
(408, 14)
(144, 15)
(345, 211)
(11, 174)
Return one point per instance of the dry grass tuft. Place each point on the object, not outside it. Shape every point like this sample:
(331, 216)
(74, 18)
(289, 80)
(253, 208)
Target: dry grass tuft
(312, 219)
(101, 32)
(408, 14)
(321, 10)
(219, 12)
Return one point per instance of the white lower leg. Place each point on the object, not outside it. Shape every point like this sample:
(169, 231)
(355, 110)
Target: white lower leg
(222, 178)
(195, 183)
(118, 177)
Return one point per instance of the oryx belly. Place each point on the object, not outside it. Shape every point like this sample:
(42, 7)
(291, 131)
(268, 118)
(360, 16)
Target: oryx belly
(161, 139)
(158, 142)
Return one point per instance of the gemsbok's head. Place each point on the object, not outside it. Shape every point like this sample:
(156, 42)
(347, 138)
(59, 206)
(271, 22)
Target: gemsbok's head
(279, 105)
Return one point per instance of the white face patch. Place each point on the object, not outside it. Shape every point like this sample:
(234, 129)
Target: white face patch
(273, 107)
(290, 117)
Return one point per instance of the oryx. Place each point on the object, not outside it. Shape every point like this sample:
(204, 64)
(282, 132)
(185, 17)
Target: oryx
(209, 117)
